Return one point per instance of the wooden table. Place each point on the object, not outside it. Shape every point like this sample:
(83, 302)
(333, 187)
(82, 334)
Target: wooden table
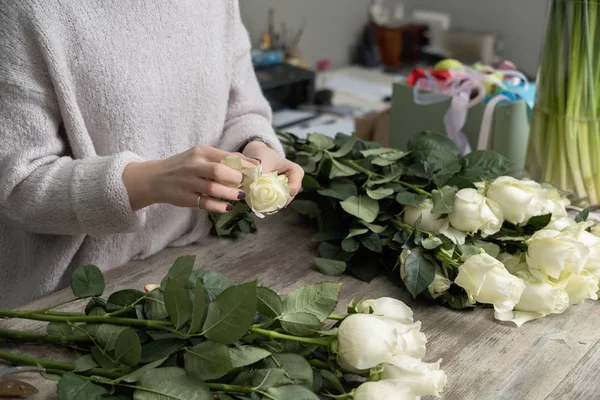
(552, 358)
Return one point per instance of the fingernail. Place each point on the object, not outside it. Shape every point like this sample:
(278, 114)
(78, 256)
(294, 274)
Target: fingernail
(241, 195)
(229, 207)
(257, 159)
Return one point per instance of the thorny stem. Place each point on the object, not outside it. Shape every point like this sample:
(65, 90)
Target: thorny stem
(11, 335)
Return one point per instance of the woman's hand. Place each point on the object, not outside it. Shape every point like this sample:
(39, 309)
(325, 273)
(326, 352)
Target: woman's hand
(273, 161)
(180, 180)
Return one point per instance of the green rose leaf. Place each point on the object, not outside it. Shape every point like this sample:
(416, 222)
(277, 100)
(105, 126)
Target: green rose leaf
(138, 373)
(332, 381)
(380, 193)
(87, 281)
(371, 241)
(103, 360)
(340, 189)
(467, 250)
(309, 183)
(362, 207)
(410, 199)
(319, 300)
(263, 379)
(292, 392)
(269, 303)
(356, 232)
(180, 271)
(208, 360)
(199, 306)
(490, 248)
(154, 306)
(537, 223)
(320, 237)
(330, 267)
(431, 243)
(300, 324)
(59, 329)
(339, 170)
(432, 141)
(107, 335)
(158, 349)
(231, 314)
(128, 348)
(307, 208)
(94, 302)
(321, 142)
(446, 173)
(72, 387)
(420, 272)
(171, 383)
(122, 299)
(350, 245)
(296, 367)
(333, 252)
(581, 217)
(178, 303)
(85, 363)
(346, 148)
(443, 200)
(214, 283)
(247, 355)
(483, 165)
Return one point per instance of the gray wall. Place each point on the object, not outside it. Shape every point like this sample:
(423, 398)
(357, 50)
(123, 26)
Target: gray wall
(521, 23)
(334, 25)
(332, 30)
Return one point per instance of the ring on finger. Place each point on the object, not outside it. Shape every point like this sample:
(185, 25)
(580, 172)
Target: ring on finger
(199, 200)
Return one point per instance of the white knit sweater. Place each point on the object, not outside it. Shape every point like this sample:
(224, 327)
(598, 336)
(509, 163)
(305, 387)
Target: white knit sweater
(87, 87)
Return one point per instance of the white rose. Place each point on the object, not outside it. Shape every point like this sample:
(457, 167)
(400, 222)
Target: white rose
(423, 218)
(553, 203)
(517, 199)
(250, 173)
(596, 230)
(538, 300)
(487, 281)
(551, 252)
(388, 308)
(580, 233)
(561, 224)
(388, 390)
(425, 379)
(411, 341)
(473, 212)
(513, 262)
(365, 341)
(268, 194)
(440, 283)
(582, 287)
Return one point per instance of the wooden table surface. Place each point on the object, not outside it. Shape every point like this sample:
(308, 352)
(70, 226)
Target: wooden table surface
(553, 358)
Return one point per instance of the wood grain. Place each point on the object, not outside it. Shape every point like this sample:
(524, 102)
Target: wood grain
(554, 358)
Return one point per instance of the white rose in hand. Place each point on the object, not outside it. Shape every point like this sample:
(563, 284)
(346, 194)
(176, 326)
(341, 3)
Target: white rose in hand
(487, 281)
(388, 308)
(268, 194)
(365, 341)
(551, 252)
(425, 379)
(473, 212)
(538, 300)
(519, 200)
(388, 390)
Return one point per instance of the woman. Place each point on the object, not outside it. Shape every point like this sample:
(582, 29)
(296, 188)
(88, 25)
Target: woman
(114, 118)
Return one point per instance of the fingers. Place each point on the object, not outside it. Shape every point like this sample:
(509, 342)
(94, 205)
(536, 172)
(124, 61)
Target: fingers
(215, 155)
(219, 173)
(295, 174)
(217, 190)
(213, 205)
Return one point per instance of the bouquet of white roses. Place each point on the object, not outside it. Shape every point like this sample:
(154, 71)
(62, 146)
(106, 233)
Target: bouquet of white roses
(198, 336)
(459, 230)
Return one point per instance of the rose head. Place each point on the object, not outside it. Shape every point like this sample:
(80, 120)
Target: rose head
(267, 194)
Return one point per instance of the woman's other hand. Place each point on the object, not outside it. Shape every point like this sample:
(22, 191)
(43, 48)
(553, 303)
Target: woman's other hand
(180, 180)
(273, 161)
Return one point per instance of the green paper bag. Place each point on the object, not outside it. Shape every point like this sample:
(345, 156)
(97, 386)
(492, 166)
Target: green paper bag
(509, 132)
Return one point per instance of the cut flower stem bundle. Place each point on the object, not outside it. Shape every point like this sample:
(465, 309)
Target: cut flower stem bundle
(457, 230)
(199, 336)
(565, 135)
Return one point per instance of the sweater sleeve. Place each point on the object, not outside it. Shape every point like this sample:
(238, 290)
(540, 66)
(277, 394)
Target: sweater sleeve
(249, 114)
(42, 188)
